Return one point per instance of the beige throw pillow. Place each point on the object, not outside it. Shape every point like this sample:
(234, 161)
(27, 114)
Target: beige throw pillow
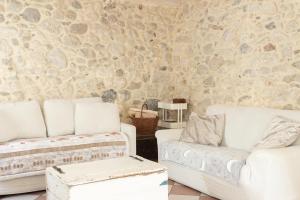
(207, 130)
(282, 132)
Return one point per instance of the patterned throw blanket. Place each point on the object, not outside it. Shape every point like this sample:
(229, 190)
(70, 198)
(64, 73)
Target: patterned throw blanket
(222, 162)
(28, 157)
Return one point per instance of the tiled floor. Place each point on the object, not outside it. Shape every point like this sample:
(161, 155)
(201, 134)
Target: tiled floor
(176, 192)
(181, 192)
(29, 196)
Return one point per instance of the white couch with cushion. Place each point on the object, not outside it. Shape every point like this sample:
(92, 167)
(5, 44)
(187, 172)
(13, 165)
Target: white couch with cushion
(267, 174)
(63, 132)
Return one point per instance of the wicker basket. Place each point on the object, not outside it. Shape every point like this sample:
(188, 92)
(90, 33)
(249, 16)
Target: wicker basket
(145, 126)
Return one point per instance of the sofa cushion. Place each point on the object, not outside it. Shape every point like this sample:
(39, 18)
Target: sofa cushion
(59, 115)
(221, 162)
(30, 156)
(8, 129)
(27, 118)
(281, 132)
(96, 118)
(245, 126)
(204, 129)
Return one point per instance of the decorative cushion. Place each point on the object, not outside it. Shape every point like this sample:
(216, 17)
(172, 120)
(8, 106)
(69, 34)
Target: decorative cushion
(26, 117)
(7, 127)
(281, 132)
(30, 156)
(93, 118)
(204, 130)
(59, 115)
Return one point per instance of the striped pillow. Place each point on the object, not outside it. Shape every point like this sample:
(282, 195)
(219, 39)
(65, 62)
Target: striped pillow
(282, 132)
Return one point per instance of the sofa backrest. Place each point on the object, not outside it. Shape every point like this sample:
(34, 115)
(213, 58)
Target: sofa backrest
(26, 119)
(59, 115)
(245, 126)
(96, 118)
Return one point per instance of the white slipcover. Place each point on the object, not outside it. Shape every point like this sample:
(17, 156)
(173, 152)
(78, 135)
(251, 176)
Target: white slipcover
(222, 162)
(269, 174)
(245, 126)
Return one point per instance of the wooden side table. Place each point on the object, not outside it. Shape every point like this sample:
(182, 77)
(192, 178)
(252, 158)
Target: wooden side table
(146, 146)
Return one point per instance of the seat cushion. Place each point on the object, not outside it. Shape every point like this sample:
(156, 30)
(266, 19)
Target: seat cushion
(246, 126)
(34, 155)
(59, 115)
(26, 117)
(221, 162)
(96, 118)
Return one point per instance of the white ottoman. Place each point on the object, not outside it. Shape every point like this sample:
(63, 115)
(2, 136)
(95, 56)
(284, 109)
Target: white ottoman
(127, 178)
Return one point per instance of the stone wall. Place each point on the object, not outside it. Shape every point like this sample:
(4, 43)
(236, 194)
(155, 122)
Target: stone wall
(239, 52)
(78, 48)
(244, 52)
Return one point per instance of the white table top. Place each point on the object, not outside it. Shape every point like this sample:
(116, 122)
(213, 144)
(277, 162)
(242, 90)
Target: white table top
(88, 172)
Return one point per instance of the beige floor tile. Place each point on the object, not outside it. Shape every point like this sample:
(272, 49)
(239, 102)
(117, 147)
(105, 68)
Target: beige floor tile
(30, 196)
(175, 183)
(183, 197)
(170, 188)
(42, 197)
(171, 182)
(184, 190)
(207, 198)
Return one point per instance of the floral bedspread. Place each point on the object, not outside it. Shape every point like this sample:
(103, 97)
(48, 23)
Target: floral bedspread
(33, 156)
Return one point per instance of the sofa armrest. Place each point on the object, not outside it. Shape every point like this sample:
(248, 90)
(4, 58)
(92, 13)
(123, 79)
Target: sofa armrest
(164, 136)
(274, 173)
(130, 131)
(167, 134)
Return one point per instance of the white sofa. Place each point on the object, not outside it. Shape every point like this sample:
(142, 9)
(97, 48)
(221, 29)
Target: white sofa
(269, 174)
(36, 142)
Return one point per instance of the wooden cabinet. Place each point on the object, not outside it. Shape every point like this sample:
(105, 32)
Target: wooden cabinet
(147, 146)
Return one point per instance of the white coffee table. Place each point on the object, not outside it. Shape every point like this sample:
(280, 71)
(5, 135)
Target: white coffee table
(132, 178)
